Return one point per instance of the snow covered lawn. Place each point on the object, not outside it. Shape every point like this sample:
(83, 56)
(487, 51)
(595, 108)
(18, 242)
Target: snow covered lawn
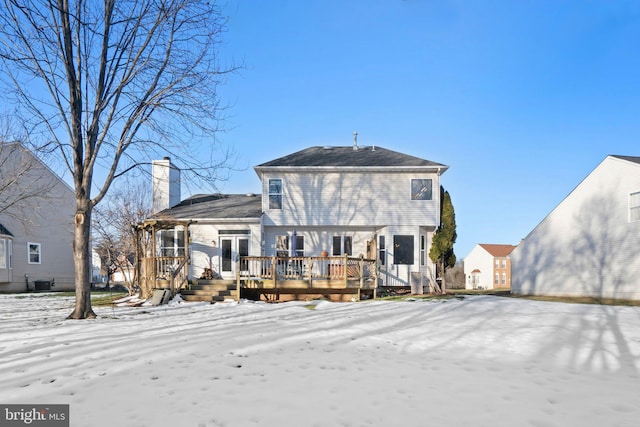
(477, 361)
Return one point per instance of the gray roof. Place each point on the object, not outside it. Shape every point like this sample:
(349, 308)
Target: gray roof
(203, 206)
(3, 230)
(369, 156)
(633, 159)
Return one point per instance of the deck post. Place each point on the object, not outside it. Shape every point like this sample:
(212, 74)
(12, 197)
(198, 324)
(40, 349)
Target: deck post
(375, 278)
(361, 267)
(154, 258)
(309, 271)
(186, 250)
(346, 269)
(274, 272)
(238, 263)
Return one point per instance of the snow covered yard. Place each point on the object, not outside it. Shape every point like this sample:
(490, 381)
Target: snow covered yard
(477, 361)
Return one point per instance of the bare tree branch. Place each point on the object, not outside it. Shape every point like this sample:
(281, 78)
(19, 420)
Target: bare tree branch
(111, 85)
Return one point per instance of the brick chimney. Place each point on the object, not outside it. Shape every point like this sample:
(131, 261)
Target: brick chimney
(165, 185)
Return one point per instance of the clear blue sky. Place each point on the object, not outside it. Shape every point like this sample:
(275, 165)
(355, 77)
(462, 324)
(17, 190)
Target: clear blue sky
(522, 99)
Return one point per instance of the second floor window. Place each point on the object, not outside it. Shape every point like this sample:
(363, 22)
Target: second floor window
(421, 189)
(275, 194)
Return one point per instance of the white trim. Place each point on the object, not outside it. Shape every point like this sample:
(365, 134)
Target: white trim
(29, 253)
(3, 254)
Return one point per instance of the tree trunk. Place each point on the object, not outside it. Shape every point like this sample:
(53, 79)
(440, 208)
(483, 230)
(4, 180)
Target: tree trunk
(82, 260)
(443, 288)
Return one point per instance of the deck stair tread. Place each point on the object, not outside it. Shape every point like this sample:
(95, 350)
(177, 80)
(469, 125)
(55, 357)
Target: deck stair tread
(210, 291)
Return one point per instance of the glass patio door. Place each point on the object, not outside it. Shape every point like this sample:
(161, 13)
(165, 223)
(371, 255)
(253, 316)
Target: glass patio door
(231, 249)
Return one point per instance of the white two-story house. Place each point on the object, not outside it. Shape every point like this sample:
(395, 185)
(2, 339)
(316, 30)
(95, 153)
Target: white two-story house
(354, 201)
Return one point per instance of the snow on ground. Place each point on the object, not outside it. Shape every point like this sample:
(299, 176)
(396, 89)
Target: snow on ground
(477, 361)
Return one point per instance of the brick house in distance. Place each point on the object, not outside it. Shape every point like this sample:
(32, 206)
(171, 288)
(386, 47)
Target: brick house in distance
(488, 266)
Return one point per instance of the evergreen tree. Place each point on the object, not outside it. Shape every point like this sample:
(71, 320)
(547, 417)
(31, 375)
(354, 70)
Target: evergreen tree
(441, 252)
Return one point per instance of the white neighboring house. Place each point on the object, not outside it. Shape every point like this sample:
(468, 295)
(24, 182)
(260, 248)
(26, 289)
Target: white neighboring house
(36, 239)
(341, 200)
(588, 245)
(488, 266)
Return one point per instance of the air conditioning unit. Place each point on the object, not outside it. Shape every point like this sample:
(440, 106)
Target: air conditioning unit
(42, 285)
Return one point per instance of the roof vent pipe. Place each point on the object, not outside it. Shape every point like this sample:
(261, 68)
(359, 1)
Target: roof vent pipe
(355, 141)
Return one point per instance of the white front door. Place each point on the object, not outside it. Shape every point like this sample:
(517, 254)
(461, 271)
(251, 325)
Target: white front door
(231, 249)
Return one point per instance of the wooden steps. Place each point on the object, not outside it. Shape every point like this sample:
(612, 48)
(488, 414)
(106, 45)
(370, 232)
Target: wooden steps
(211, 291)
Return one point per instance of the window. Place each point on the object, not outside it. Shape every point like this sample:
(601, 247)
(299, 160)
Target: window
(504, 263)
(421, 189)
(634, 206)
(497, 263)
(243, 251)
(33, 251)
(497, 281)
(382, 252)
(299, 245)
(504, 278)
(282, 246)
(3, 253)
(423, 249)
(403, 250)
(172, 242)
(348, 246)
(342, 245)
(275, 194)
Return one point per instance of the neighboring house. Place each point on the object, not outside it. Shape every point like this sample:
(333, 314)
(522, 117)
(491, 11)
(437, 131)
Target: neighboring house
(96, 269)
(488, 266)
(36, 232)
(588, 245)
(322, 201)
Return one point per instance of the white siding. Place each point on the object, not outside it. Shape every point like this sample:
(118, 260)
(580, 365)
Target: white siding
(316, 241)
(586, 246)
(479, 259)
(48, 221)
(205, 251)
(354, 199)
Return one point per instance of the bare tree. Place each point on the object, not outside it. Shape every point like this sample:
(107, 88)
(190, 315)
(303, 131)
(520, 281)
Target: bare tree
(114, 232)
(107, 86)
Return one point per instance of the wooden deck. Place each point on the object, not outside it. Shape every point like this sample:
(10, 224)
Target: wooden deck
(271, 279)
(287, 278)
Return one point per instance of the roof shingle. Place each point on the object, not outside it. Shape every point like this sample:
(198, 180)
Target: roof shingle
(348, 157)
(203, 206)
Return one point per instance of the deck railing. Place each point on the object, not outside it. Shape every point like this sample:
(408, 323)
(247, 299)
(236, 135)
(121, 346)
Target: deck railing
(358, 271)
(164, 271)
